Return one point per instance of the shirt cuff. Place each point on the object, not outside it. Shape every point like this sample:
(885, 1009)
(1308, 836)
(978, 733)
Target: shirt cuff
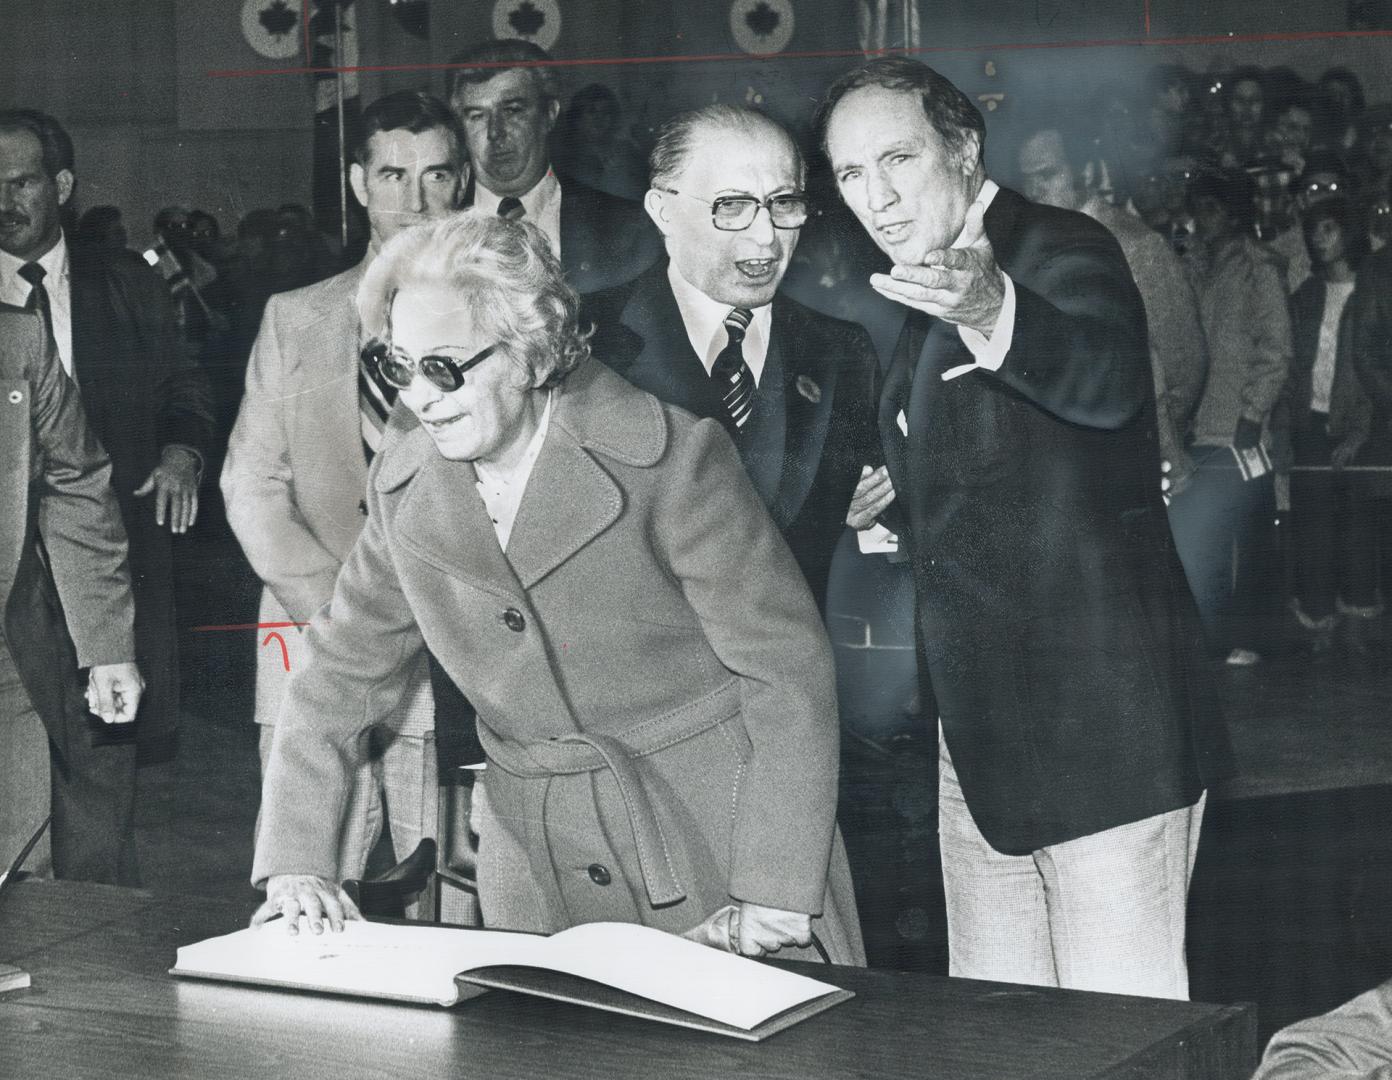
(989, 352)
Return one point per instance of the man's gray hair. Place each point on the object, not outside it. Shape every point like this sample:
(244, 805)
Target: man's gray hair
(676, 136)
(482, 62)
(508, 284)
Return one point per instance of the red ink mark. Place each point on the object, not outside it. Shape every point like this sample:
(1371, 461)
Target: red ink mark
(625, 61)
(247, 626)
(1147, 18)
(284, 653)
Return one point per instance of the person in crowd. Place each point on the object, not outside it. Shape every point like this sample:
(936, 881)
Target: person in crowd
(310, 422)
(701, 801)
(191, 278)
(1162, 201)
(62, 536)
(708, 330)
(1241, 137)
(507, 114)
(1324, 177)
(102, 229)
(592, 147)
(1058, 167)
(1170, 112)
(1330, 421)
(1343, 91)
(1352, 1042)
(148, 404)
(1372, 157)
(1228, 514)
(1017, 417)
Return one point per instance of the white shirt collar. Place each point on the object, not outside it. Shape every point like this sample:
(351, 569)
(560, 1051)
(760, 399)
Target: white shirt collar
(55, 264)
(985, 197)
(542, 203)
(501, 488)
(704, 320)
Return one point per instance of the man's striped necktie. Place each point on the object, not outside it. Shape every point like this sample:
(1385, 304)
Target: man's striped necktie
(375, 401)
(732, 376)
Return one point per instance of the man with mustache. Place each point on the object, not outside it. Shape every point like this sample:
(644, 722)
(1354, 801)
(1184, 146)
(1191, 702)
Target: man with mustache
(112, 321)
(296, 471)
(1059, 638)
(508, 108)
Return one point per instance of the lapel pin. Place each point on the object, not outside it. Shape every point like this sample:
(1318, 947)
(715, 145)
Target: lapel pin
(808, 389)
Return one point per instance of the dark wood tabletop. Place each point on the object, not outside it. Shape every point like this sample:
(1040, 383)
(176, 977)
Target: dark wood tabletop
(103, 1005)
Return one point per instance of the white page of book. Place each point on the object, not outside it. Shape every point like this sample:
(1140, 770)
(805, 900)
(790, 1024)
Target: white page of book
(420, 962)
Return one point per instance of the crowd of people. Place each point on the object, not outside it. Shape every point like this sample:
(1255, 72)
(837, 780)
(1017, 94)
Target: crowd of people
(568, 470)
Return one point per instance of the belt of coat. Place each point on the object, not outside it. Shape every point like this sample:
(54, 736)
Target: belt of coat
(621, 754)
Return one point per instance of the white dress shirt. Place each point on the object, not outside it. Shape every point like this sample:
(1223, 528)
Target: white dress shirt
(704, 320)
(1322, 375)
(988, 352)
(57, 283)
(542, 203)
(501, 489)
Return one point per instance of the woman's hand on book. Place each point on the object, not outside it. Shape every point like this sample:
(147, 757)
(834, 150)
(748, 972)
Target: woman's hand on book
(317, 899)
(759, 930)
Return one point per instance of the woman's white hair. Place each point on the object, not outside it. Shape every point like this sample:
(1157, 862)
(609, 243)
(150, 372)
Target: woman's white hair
(508, 282)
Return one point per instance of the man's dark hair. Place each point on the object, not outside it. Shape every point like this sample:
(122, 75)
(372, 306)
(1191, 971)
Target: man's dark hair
(408, 110)
(55, 143)
(1233, 189)
(482, 62)
(1323, 161)
(674, 138)
(1341, 211)
(952, 114)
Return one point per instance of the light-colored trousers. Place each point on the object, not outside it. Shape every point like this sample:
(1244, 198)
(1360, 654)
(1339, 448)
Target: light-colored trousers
(1104, 912)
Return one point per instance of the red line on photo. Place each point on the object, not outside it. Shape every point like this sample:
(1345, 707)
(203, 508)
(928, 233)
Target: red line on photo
(247, 626)
(1208, 39)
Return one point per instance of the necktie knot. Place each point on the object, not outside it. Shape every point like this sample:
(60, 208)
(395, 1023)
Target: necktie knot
(737, 323)
(511, 208)
(33, 273)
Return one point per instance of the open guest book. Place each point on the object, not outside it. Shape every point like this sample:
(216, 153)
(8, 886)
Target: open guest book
(620, 967)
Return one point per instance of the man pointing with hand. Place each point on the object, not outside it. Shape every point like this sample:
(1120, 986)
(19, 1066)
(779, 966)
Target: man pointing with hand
(1018, 421)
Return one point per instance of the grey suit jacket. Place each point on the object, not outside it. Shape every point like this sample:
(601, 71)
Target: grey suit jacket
(295, 477)
(68, 605)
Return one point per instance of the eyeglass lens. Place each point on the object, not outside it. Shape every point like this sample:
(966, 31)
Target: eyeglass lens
(739, 212)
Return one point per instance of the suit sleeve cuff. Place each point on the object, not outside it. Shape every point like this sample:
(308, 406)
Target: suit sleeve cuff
(989, 353)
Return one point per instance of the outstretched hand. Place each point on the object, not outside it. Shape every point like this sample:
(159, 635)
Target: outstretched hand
(961, 285)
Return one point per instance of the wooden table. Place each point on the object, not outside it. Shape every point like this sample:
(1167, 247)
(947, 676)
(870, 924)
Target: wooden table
(102, 1005)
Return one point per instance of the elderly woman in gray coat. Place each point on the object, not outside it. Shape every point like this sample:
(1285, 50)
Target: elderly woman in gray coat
(595, 572)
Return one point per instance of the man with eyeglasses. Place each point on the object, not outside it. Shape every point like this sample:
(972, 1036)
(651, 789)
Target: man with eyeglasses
(708, 330)
(1324, 177)
(296, 470)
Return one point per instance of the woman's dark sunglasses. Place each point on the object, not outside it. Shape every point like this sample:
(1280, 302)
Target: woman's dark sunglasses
(398, 368)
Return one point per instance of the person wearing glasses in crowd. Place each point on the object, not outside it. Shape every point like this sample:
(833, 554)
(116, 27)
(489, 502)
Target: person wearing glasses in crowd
(555, 537)
(310, 423)
(708, 330)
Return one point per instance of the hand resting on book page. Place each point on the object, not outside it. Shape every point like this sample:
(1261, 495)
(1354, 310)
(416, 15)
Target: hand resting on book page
(316, 898)
(752, 929)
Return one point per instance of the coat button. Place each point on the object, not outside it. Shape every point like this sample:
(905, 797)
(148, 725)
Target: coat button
(512, 619)
(16, 397)
(362, 507)
(600, 874)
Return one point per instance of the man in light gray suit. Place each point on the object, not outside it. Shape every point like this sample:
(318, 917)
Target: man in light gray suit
(296, 471)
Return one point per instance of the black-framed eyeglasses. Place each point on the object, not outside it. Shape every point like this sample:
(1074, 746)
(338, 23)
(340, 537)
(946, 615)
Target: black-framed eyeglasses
(397, 368)
(734, 213)
(1322, 186)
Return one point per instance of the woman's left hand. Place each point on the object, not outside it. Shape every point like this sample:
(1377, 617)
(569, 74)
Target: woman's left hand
(759, 930)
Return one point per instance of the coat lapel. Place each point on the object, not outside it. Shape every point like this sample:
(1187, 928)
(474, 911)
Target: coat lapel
(91, 313)
(809, 390)
(664, 364)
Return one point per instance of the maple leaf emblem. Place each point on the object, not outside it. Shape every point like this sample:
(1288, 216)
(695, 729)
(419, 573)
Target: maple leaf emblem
(277, 18)
(763, 20)
(526, 19)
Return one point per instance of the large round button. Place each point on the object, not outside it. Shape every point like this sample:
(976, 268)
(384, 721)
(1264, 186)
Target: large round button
(513, 620)
(600, 874)
(16, 397)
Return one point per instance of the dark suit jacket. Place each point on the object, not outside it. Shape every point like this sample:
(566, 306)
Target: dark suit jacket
(64, 584)
(1350, 408)
(827, 379)
(605, 240)
(141, 393)
(1059, 635)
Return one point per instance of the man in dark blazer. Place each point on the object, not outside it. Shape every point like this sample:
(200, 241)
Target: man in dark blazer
(807, 428)
(1018, 421)
(66, 604)
(117, 338)
(508, 114)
